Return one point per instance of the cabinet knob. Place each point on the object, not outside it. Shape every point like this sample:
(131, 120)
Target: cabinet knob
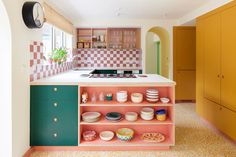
(218, 76)
(55, 89)
(55, 104)
(55, 135)
(223, 76)
(55, 119)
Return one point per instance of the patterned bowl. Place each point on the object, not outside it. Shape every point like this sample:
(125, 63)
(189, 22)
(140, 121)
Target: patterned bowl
(125, 134)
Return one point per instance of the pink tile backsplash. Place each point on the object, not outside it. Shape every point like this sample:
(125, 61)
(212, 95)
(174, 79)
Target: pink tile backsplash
(38, 69)
(109, 58)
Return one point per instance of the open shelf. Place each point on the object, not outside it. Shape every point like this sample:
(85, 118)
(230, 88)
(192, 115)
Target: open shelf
(140, 121)
(136, 141)
(128, 103)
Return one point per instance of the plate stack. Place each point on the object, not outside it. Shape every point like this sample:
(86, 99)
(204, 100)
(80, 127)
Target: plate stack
(152, 95)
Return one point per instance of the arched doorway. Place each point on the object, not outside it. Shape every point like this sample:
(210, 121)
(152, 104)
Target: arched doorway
(157, 51)
(5, 84)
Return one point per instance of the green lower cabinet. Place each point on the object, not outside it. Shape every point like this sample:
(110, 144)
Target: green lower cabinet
(54, 121)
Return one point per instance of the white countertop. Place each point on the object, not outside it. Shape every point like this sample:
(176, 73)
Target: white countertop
(74, 78)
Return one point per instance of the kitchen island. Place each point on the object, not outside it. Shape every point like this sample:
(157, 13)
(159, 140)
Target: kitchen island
(56, 109)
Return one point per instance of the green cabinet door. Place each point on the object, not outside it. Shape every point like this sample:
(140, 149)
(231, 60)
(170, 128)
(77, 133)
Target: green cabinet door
(54, 120)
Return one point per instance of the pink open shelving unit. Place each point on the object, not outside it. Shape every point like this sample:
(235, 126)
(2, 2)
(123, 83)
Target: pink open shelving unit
(140, 126)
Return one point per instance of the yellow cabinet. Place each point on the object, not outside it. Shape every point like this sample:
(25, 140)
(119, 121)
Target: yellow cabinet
(216, 68)
(228, 58)
(212, 58)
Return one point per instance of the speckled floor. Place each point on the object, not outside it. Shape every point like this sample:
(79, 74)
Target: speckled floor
(193, 139)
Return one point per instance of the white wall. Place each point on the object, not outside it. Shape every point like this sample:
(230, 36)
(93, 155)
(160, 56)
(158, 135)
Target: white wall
(145, 26)
(21, 37)
(213, 4)
(5, 85)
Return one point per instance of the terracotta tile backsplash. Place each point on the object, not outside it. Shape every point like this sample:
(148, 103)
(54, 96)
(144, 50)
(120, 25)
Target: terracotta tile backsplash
(109, 58)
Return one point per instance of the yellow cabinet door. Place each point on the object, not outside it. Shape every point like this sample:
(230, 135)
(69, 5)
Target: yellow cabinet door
(228, 59)
(185, 88)
(212, 58)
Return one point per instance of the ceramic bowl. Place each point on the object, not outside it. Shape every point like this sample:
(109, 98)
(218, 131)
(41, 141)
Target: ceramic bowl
(91, 116)
(136, 97)
(113, 116)
(122, 94)
(122, 100)
(147, 111)
(89, 135)
(106, 135)
(131, 116)
(147, 117)
(165, 100)
(125, 134)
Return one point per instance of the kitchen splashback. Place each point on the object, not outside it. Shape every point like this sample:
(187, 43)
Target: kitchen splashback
(38, 69)
(109, 59)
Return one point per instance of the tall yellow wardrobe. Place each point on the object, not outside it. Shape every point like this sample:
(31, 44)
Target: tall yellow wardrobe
(216, 68)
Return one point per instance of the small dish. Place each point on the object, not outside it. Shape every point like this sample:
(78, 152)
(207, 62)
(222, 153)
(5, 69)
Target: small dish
(106, 135)
(165, 100)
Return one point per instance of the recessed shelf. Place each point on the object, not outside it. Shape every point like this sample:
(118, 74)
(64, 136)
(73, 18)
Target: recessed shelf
(136, 141)
(128, 103)
(140, 121)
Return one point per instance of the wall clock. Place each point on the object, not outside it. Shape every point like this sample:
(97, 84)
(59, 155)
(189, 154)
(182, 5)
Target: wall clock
(33, 14)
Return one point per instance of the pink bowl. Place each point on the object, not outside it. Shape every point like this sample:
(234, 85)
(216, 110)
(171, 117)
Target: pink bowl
(89, 135)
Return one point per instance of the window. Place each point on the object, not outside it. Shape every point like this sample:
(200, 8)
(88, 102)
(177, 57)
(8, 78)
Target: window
(47, 38)
(55, 38)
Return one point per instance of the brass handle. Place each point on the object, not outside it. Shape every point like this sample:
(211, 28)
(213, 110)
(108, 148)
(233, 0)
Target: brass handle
(55, 135)
(55, 104)
(55, 119)
(218, 76)
(55, 89)
(223, 76)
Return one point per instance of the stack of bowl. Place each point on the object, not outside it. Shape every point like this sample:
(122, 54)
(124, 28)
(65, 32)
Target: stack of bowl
(152, 95)
(91, 117)
(147, 113)
(122, 96)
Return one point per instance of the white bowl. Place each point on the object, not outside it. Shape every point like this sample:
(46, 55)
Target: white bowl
(136, 97)
(131, 116)
(106, 135)
(147, 117)
(121, 100)
(147, 111)
(165, 100)
(122, 93)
